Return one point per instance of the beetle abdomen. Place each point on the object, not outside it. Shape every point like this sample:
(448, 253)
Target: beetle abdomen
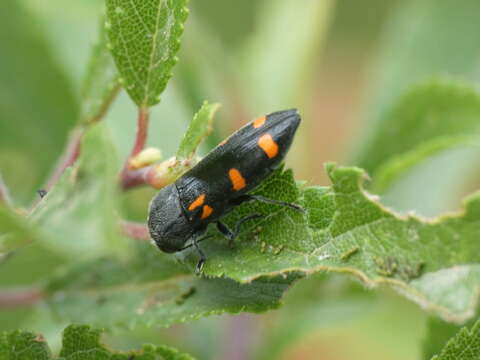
(236, 166)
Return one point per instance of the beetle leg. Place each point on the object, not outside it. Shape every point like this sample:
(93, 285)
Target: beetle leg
(249, 197)
(203, 258)
(199, 240)
(232, 235)
(226, 231)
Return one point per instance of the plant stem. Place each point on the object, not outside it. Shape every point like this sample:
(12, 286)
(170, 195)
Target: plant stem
(72, 149)
(70, 155)
(106, 104)
(142, 131)
(130, 178)
(135, 230)
(20, 298)
(4, 193)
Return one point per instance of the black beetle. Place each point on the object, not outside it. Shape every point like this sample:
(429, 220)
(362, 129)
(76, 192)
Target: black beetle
(221, 181)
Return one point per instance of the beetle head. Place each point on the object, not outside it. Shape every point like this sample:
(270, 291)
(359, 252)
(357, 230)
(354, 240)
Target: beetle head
(168, 226)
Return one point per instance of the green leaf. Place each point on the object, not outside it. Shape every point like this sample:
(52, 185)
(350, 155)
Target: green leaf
(418, 27)
(79, 214)
(79, 343)
(23, 345)
(100, 84)
(437, 334)
(432, 117)
(76, 220)
(15, 231)
(37, 106)
(464, 346)
(21, 249)
(347, 230)
(144, 39)
(344, 229)
(200, 127)
(151, 289)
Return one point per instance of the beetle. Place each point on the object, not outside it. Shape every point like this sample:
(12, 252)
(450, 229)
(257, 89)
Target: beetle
(221, 181)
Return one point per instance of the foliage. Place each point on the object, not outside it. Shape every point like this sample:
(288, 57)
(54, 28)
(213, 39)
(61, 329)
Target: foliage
(448, 57)
(348, 231)
(101, 80)
(145, 37)
(79, 342)
(199, 128)
(432, 109)
(464, 346)
(69, 251)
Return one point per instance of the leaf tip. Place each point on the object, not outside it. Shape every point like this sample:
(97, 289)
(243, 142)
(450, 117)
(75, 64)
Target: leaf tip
(471, 204)
(330, 167)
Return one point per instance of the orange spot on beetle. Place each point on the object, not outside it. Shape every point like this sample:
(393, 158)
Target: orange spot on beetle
(206, 212)
(238, 181)
(197, 202)
(259, 122)
(269, 146)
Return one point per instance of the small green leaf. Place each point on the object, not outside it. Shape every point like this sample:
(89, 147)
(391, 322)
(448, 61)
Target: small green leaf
(79, 343)
(100, 84)
(432, 117)
(79, 214)
(152, 289)
(464, 346)
(144, 39)
(199, 128)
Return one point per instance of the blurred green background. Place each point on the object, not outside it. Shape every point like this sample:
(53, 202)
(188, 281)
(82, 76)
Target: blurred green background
(342, 63)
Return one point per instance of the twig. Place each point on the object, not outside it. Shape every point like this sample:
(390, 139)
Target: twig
(20, 298)
(72, 149)
(129, 177)
(135, 230)
(142, 131)
(157, 175)
(4, 193)
(70, 155)
(106, 104)
(132, 178)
